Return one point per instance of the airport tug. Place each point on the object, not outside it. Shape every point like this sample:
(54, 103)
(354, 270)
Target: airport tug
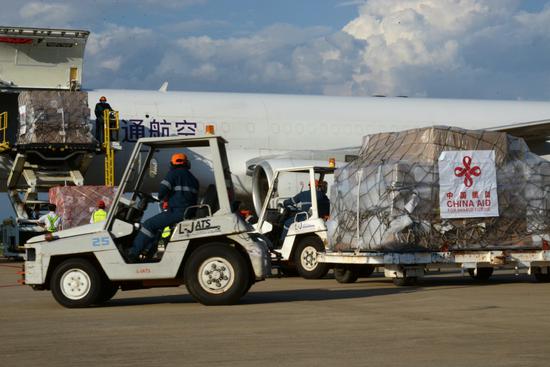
(307, 235)
(213, 251)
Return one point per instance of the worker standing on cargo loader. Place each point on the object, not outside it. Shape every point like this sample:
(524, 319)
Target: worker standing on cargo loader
(51, 221)
(100, 107)
(180, 188)
(302, 203)
(99, 215)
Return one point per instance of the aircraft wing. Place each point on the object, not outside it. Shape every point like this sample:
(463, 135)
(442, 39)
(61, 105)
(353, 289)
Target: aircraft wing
(534, 131)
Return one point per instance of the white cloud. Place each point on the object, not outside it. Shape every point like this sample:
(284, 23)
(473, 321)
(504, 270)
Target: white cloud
(175, 4)
(198, 25)
(112, 64)
(53, 13)
(455, 48)
(438, 48)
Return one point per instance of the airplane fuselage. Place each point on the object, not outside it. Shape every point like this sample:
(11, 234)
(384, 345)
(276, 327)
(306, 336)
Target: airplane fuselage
(262, 125)
(257, 125)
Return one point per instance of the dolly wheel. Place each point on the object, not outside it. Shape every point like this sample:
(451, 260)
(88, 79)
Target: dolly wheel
(345, 275)
(542, 277)
(481, 274)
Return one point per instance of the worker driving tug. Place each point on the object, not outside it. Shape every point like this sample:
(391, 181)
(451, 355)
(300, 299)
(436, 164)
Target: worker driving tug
(300, 204)
(180, 189)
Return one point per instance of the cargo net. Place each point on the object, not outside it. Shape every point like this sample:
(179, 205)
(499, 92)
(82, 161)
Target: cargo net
(75, 204)
(54, 117)
(388, 199)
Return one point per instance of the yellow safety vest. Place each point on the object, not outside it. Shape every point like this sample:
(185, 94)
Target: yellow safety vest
(99, 215)
(166, 232)
(51, 222)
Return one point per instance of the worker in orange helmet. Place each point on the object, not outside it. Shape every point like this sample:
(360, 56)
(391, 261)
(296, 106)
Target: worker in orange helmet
(100, 107)
(180, 189)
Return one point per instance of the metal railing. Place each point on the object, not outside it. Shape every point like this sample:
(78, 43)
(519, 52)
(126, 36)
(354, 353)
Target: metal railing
(110, 125)
(4, 145)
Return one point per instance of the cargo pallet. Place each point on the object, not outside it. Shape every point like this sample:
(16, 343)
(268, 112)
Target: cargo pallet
(406, 267)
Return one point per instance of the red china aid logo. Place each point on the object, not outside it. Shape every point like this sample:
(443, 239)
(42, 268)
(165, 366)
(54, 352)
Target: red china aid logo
(467, 171)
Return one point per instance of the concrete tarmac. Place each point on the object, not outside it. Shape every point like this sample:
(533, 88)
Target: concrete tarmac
(448, 320)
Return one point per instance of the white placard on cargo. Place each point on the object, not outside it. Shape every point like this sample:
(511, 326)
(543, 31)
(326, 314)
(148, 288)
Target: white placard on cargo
(22, 119)
(468, 184)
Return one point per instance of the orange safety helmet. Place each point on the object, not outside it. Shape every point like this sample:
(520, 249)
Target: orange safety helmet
(316, 184)
(178, 159)
(102, 99)
(101, 204)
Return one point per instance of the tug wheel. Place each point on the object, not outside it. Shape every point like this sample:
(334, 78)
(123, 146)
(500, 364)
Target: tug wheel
(76, 283)
(217, 274)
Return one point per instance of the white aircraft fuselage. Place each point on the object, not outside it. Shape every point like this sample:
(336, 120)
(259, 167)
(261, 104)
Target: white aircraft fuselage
(263, 125)
(257, 125)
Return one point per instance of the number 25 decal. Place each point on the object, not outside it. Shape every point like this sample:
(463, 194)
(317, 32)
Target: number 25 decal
(100, 241)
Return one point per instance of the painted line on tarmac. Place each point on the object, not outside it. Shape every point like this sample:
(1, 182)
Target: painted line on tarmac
(11, 266)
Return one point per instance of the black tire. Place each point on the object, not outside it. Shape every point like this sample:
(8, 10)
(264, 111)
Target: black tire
(108, 291)
(288, 270)
(221, 265)
(76, 283)
(542, 277)
(483, 274)
(405, 282)
(251, 282)
(345, 275)
(366, 271)
(305, 258)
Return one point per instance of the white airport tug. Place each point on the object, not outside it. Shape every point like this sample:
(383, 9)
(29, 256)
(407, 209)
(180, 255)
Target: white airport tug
(306, 236)
(214, 252)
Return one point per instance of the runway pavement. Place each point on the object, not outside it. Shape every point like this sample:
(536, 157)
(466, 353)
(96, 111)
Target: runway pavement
(446, 321)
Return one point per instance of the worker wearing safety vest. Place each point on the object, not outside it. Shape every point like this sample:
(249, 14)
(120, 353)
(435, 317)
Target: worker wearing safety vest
(99, 215)
(166, 232)
(51, 221)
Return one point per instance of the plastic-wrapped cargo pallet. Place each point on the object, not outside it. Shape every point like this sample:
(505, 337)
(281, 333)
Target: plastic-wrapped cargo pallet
(54, 117)
(389, 198)
(75, 204)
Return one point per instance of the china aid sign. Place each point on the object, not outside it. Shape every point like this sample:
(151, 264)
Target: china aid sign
(468, 184)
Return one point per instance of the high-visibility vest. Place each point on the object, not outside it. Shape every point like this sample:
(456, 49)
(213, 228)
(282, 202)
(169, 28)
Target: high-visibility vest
(166, 232)
(51, 222)
(99, 215)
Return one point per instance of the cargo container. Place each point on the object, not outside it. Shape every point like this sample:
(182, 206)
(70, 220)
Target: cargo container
(440, 197)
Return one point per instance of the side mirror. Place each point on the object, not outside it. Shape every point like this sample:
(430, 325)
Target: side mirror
(153, 168)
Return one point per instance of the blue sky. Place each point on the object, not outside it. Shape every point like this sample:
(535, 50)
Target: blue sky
(491, 49)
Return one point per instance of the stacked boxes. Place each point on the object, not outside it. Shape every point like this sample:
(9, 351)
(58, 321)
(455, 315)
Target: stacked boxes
(388, 199)
(75, 204)
(54, 117)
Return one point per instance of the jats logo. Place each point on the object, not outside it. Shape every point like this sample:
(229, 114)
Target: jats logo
(197, 226)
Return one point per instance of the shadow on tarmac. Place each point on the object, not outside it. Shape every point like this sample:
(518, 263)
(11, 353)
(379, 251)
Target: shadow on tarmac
(320, 294)
(429, 283)
(276, 296)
